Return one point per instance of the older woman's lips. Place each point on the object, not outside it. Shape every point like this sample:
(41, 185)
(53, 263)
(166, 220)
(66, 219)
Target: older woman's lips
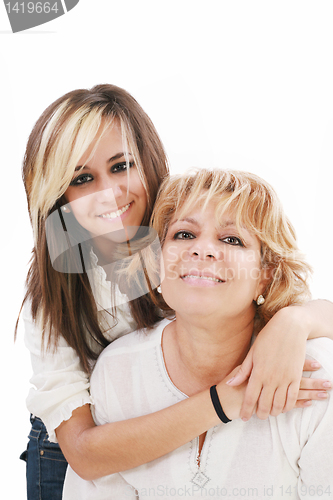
(203, 281)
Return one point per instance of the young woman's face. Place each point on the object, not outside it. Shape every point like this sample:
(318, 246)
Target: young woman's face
(211, 268)
(103, 196)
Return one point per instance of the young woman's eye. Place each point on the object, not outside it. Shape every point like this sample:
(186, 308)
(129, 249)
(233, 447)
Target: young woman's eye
(183, 235)
(81, 179)
(121, 167)
(233, 240)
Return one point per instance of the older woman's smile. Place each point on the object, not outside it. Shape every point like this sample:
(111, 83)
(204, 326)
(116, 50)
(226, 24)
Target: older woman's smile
(199, 278)
(201, 253)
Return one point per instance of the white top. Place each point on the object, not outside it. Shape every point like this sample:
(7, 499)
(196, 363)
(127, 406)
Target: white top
(289, 456)
(61, 385)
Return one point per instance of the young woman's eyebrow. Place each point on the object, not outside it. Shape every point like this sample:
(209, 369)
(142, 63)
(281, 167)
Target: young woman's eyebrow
(110, 160)
(119, 155)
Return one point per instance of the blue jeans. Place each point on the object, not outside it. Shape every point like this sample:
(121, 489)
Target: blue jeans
(46, 465)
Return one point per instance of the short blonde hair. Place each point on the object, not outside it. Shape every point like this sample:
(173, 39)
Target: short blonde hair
(256, 207)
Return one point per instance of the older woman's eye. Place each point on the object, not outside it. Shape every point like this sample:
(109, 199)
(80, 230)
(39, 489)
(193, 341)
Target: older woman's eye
(233, 240)
(81, 179)
(183, 235)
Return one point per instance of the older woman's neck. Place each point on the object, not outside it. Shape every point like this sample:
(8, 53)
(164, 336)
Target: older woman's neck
(200, 355)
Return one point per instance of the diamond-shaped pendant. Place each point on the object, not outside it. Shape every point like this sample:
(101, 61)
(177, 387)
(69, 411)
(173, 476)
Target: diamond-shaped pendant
(200, 479)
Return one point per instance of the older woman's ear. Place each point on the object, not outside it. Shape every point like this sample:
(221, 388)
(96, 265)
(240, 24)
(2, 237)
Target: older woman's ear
(266, 277)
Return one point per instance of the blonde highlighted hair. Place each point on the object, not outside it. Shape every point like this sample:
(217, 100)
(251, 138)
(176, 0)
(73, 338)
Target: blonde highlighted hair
(63, 303)
(255, 206)
(65, 131)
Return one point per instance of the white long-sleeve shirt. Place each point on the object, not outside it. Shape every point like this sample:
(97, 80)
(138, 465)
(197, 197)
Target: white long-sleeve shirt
(289, 456)
(60, 384)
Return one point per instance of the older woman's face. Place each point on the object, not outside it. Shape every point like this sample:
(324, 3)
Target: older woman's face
(209, 267)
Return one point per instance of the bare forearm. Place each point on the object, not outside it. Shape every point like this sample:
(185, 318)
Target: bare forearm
(94, 452)
(313, 319)
(321, 318)
(98, 451)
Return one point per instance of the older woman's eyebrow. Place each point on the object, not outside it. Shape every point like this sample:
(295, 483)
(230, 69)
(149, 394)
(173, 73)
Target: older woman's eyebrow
(185, 219)
(193, 221)
(227, 223)
(110, 160)
(243, 229)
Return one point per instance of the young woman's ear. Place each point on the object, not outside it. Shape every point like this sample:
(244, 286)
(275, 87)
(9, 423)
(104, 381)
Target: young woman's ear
(65, 206)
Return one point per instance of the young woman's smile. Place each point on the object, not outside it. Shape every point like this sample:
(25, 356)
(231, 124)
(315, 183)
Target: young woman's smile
(106, 194)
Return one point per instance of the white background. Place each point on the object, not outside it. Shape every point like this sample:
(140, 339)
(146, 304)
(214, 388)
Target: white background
(231, 84)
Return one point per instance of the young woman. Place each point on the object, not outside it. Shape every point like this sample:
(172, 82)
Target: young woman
(230, 262)
(92, 169)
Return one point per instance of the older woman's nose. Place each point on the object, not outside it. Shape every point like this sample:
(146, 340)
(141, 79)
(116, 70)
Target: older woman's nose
(205, 250)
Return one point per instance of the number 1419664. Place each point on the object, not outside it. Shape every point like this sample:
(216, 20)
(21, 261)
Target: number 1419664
(313, 491)
(32, 7)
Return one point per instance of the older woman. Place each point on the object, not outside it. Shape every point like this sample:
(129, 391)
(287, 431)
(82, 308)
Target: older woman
(230, 262)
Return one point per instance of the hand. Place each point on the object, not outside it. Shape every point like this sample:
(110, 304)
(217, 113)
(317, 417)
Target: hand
(274, 367)
(311, 388)
(231, 398)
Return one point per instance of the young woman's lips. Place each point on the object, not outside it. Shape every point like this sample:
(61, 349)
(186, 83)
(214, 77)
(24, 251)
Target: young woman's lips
(201, 280)
(121, 213)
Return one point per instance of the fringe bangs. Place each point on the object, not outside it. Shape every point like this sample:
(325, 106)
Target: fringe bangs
(63, 303)
(253, 204)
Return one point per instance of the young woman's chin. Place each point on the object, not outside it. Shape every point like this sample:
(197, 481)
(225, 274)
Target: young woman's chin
(117, 236)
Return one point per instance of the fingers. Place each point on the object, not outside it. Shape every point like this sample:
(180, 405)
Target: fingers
(243, 373)
(268, 398)
(315, 383)
(311, 394)
(305, 397)
(291, 397)
(275, 402)
(266, 402)
(284, 399)
(272, 401)
(310, 365)
(252, 394)
(303, 403)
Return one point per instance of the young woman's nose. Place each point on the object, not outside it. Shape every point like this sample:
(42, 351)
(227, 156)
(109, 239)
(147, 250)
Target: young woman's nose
(108, 191)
